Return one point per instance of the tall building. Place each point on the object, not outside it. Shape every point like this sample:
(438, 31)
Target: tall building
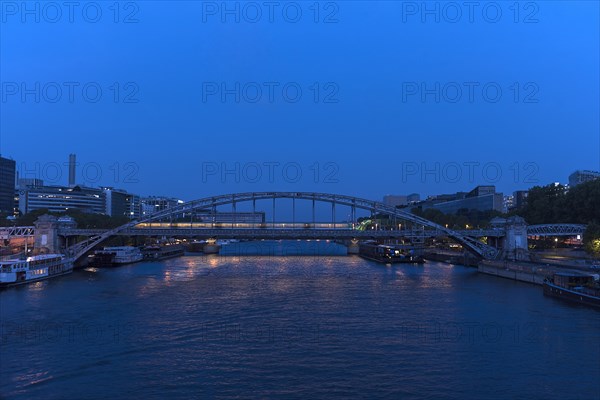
(72, 165)
(121, 203)
(520, 198)
(61, 199)
(582, 176)
(153, 204)
(7, 185)
(509, 203)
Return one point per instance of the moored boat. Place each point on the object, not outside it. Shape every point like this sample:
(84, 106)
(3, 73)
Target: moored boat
(34, 268)
(195, 246)
(119, 254)
(102, 259)
(162, 252)
(389, 254)
(575, 287)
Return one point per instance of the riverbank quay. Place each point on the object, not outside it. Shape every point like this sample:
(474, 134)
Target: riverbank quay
(451, 257)
(524, 271)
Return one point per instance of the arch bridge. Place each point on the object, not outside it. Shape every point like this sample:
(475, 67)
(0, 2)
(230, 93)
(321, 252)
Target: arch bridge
(304, 231)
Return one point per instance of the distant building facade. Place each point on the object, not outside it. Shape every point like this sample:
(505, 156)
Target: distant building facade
(120, 203)
(30, 195)
(515, 201)
(61, 199)
(7, 185)
(509, 203)
(582, 176)
(152, 204)
(520, 198)
(400, 200)
(481, 198)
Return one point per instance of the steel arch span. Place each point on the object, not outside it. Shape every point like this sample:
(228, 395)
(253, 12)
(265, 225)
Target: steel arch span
(375, 207)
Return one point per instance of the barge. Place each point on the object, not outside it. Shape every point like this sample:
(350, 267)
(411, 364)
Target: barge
(389, 254)
(162, 252)
(574, 287)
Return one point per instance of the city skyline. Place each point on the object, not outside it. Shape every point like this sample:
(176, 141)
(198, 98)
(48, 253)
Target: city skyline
(389, 106)
(33, 194)
(126, 177)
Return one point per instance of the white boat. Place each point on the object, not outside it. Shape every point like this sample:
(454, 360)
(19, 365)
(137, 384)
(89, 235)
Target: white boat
(34, 268)
(122, 254)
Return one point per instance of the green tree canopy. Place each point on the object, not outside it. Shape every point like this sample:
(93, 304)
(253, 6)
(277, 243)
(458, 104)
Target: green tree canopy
(552, 204)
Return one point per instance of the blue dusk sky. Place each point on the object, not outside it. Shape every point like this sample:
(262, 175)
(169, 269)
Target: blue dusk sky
(192, 99)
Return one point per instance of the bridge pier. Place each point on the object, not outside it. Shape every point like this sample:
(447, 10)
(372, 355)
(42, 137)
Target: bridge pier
(514, 243)
(211, 247)
(46, 238)
(352, 246)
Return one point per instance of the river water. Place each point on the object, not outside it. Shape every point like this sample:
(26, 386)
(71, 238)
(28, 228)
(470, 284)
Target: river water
(280, 325)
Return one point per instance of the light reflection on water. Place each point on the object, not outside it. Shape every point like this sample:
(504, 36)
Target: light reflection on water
(330, 326)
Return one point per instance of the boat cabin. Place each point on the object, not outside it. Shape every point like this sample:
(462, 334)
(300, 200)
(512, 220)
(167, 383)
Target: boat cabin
(571, 279)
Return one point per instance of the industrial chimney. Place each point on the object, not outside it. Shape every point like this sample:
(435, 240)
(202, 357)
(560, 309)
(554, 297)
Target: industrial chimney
(71, 170)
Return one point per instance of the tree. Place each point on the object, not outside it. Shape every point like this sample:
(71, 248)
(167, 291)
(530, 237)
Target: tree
(544, 204)
(555, 204)
(591, 239)
(83, 220)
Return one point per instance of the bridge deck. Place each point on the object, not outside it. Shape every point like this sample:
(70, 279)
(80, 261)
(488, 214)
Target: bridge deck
(260, 233)
(295, 233)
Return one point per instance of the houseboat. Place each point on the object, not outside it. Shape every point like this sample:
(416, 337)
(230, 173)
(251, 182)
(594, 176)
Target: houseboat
(34, 268)
(389, 254)
(575, 287)
(118, 255)
(161, 252)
